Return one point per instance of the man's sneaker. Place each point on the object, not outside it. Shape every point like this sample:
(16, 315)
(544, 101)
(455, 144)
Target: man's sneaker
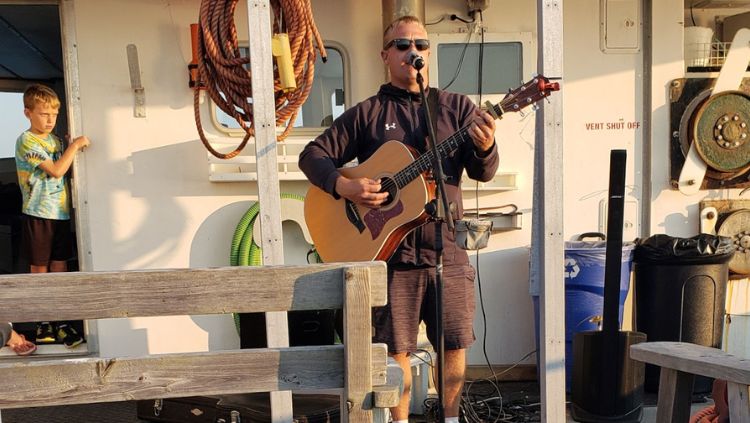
(69, 336)
(44, 333)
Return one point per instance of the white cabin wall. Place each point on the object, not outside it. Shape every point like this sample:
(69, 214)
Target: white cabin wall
(150, 202)
(151, 205)
(597, 88)
(504, 265)
(148, 188)
(602, 109)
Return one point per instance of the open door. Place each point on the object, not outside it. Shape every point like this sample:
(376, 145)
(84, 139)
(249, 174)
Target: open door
(31, 51)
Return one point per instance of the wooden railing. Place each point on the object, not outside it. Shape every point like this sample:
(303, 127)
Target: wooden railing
(358, 366)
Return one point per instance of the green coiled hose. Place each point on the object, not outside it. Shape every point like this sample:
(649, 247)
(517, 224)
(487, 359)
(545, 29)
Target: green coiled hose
(244, 250)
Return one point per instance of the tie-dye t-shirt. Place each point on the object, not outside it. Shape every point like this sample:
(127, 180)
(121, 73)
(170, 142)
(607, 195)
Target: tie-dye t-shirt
(43, 195)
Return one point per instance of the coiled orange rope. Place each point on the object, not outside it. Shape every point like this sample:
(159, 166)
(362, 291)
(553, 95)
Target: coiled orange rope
(222, 69)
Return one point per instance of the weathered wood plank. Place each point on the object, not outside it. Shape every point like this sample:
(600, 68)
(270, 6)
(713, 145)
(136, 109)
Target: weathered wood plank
(389, 395)
(679, 362)
(695, 359)
(269, 218)
(357, 335)
(674, 396)
(97, 295)
(739, 405)
(36, 383)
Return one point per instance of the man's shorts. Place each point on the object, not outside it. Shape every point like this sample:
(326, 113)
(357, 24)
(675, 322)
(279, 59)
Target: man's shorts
(411, 299)
(45, 240)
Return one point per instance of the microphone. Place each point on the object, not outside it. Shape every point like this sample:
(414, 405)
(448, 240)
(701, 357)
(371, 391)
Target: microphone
(415, 60)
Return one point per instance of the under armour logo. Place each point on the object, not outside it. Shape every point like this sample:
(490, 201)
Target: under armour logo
(389, 126)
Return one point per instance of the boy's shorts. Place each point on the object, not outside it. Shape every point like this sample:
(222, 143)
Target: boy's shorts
(45, 240)
(411, 299)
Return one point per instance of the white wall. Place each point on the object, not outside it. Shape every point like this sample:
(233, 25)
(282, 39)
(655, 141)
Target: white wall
(151, 205)
(503, 266)
(150, 202)
(597, 88)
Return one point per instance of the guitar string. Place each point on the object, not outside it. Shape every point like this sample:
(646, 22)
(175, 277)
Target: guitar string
(424, 162)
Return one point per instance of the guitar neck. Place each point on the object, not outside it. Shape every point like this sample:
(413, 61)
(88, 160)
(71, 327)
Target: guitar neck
(523, 96)
(425, 162)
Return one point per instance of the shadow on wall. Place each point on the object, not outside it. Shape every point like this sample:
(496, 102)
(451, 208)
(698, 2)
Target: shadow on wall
(211, 248)
(506, 296)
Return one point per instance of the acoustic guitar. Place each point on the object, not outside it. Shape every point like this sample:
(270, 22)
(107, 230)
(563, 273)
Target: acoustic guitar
(343, 231)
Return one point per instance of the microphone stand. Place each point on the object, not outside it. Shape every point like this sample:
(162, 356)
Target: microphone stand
(440, 213)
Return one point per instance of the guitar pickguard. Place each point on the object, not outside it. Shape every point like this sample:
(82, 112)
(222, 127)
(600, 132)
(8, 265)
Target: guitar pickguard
(375, 219)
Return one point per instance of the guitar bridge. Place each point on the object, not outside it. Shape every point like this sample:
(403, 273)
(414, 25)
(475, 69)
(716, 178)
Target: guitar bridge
(353, 215)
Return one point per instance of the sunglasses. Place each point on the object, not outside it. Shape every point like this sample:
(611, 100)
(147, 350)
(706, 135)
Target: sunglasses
(403, 44)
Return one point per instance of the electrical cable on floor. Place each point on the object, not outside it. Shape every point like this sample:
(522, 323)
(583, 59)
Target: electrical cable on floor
(482, 401)
(225, 73)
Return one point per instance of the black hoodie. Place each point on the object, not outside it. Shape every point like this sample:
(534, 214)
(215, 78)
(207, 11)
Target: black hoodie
(396, 114)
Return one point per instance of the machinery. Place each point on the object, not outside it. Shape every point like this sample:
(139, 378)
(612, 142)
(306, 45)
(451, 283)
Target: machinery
(710, 126)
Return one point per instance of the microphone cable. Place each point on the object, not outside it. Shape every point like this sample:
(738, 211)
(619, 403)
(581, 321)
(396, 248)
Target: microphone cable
(225, 73)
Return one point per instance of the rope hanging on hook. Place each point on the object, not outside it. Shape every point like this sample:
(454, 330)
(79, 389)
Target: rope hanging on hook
(223, 72)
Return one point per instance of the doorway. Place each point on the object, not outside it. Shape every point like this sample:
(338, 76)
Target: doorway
(31, 51)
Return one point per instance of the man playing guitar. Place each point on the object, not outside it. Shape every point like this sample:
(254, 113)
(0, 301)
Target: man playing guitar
(396, 113)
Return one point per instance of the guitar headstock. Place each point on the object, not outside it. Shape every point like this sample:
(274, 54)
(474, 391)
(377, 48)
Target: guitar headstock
(526, 95)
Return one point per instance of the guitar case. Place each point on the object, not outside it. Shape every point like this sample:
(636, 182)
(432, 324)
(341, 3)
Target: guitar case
(307, 408)
(254, 408)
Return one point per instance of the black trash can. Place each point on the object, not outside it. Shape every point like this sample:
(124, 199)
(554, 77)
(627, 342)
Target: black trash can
(680, 288)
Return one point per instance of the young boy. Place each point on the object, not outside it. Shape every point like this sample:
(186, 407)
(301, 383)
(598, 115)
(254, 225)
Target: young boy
(41, 164)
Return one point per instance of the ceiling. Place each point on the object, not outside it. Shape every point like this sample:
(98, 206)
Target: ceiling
(30, 43)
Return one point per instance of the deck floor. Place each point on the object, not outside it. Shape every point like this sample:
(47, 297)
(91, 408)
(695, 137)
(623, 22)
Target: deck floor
(125, 412)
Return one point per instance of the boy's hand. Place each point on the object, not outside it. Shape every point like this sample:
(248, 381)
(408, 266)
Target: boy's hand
(81, 142)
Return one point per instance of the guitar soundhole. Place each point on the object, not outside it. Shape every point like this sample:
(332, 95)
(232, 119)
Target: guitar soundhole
(388, 185)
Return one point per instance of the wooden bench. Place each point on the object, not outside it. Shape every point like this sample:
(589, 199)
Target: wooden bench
(679, 363)
(358, 366)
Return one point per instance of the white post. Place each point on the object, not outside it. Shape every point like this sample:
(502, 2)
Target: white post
(547, 236)
(264, 113)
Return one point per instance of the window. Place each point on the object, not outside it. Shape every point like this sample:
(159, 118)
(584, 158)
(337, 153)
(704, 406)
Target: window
(509, 59)
(502, 67)
(324, 104)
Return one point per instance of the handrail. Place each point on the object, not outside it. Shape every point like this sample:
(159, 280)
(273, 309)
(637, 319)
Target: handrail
(357, 366)
(142, 293)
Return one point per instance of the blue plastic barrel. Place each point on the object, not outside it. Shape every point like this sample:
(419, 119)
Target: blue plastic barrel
(584, 292)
